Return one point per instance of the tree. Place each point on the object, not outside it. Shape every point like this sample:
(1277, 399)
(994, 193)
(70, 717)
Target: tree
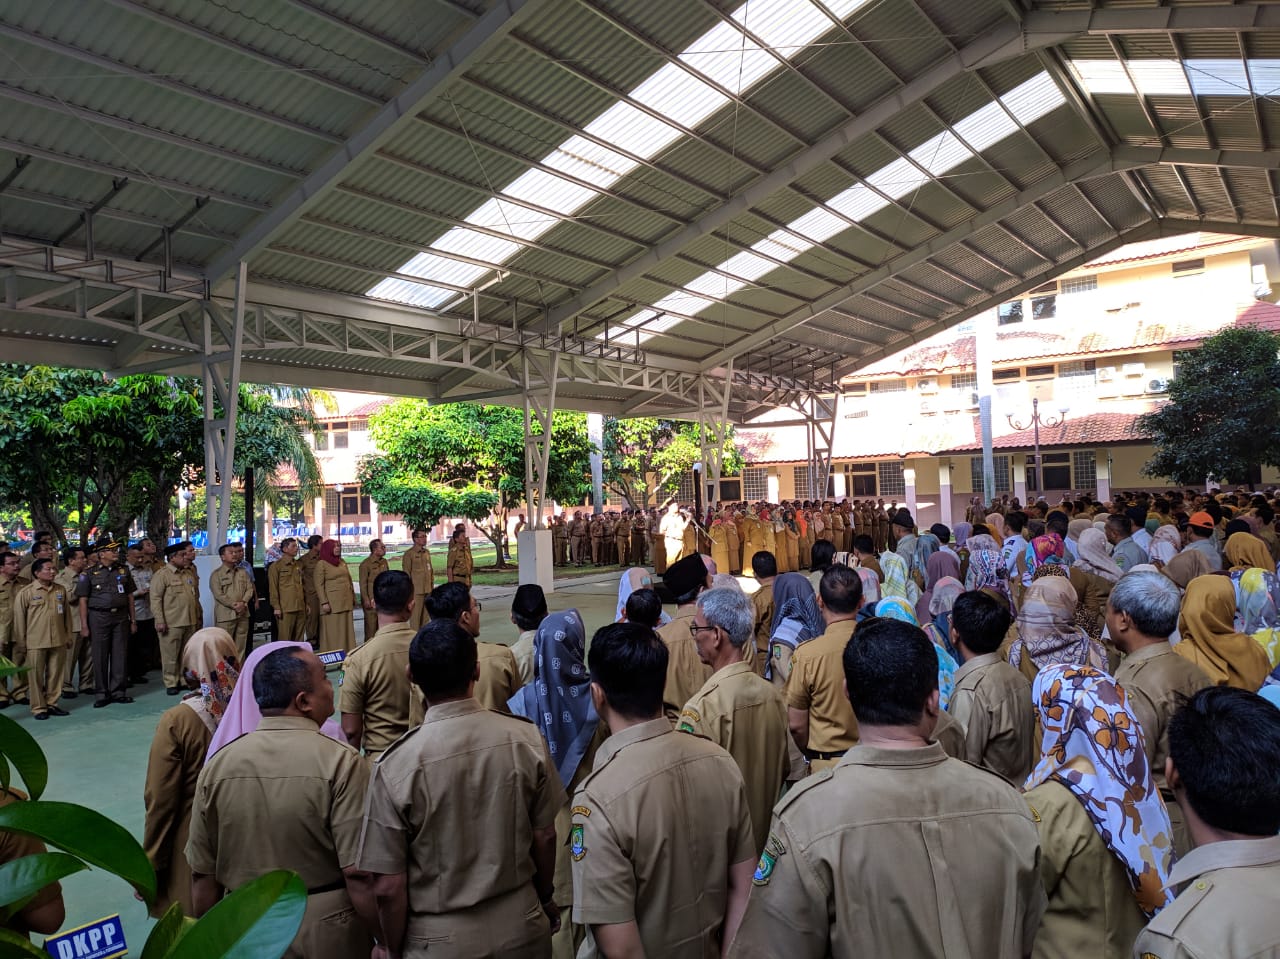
(470, 448)
(1220, 419)
(645, 457)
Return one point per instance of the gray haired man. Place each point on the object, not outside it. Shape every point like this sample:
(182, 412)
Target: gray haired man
(736, 708)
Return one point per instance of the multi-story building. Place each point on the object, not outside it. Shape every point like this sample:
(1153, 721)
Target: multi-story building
(1096, 348)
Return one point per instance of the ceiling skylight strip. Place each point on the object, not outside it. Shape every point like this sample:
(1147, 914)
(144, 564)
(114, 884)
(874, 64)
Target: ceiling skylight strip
(1165, 77)
(722, 54)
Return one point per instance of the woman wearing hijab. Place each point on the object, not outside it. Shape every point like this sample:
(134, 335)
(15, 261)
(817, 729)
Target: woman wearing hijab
(995, 523)
(940, 565)
(789, 540)
(178, 750)
(1166, 541)
(897, 580)
(926, 546)
(1246, 551)
(1210, 638)
(796, 619)
(870, 591)
(943, 600)
(242, 714)
(987, 570)
(961, 533)
(337, 598)
(558, 701)
(1047, 633)
(895, 607)
(1186, 566)
(1105, 838)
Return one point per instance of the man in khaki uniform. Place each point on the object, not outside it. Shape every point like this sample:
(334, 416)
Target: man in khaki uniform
(1142, 612)
(79, 656)
(560, 541)
(499, 675)
(661, 835)
(579, 538)
(672, 529)
(596, 530)
(417, 563)
(175, 600)
(639, 536)
(9, 649)
(466, 870)
(818, 712)
(459, 565)
(991, 699)
(685, 671)
(375, 679)
(288, 598)
(307, 562)
(880, 856)
(286, 796)
(232, 590)
(1222, 767)
(737, 709)
(42, 623)
(371, 567)
(622, 540)
(765, 565)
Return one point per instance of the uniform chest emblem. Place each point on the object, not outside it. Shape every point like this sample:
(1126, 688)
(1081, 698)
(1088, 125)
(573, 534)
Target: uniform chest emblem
(577, 843)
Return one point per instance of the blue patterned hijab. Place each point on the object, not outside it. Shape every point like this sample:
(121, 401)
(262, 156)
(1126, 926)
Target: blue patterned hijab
(559, 698)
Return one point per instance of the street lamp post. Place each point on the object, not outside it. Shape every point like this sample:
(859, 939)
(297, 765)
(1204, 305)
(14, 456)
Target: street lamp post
(338, 488)
(1048, 422)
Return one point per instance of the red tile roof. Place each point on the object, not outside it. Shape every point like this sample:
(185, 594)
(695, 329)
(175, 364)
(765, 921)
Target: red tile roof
(1092, 429)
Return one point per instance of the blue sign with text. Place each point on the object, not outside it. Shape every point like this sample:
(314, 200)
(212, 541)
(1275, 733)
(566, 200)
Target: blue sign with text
(333, 658)
(103, 939)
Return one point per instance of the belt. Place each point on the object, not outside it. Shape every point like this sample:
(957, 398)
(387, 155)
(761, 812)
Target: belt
(108, 609)
(812, 754)
(330, 887)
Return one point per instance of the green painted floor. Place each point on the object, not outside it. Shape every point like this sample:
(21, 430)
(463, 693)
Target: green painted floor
(98, 757)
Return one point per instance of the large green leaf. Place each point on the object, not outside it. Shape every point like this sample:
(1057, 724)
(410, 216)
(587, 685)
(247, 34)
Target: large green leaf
(20, 879)
(16, 946)
(257, 921)
(20, 748)
(166, 933)
(87, 834)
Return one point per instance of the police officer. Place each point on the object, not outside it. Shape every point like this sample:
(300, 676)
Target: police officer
(105, 594)
(288, 599)
(175, 600)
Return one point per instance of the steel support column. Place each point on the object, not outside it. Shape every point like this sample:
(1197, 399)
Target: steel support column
(220, 369)
(539, 377)
(713, 431)
(818, 411)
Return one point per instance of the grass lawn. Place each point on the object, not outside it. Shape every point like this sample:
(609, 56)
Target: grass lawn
(483, 556)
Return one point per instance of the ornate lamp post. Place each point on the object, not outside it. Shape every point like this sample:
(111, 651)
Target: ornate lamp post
(1048, 422)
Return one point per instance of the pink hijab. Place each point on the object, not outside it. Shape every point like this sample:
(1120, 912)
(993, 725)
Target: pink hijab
(242, 714)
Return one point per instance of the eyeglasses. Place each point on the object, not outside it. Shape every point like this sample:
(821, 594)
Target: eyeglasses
(694, 630)
(478, 606)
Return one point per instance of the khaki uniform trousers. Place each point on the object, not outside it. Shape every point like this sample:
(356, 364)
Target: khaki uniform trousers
(79, 656)
(419, 614)
(512, 926)
(239, 630)
(289, 627)
(18, 656)
(330, 929)
(45, 678)
(172, 643)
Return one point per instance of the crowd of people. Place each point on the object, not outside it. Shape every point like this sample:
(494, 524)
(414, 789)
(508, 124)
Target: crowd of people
(1047, 732)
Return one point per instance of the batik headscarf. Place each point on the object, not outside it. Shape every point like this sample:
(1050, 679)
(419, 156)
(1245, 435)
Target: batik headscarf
(209, 659)
(897, 580)
(1258, 608)
(941, 566)
(988, 573)
(795, 610)
(1093, 558)
(894, 607)
(1186, 566)
(980, 541)
(1047, 632)
(1048, 548)
(1165, 543)
(330, 552)
(1245, 551)
(1092, 744)
(559, 698)
(1211, 640)
(962, 532)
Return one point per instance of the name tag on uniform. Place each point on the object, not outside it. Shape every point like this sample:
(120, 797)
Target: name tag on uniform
(103, 939)
(120, 588)
(333, 658)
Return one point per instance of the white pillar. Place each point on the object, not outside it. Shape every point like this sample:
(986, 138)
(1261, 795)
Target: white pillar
(774, 489)
(375, 524)
(595, 434)
(909, 477)
(1020, 477)
(838, 488)
(1103, 467)
(264, 536)
(944, 490)
(317, 507)
(535, 558)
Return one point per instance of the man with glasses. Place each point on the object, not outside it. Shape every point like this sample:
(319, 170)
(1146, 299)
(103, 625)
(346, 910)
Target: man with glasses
(499, 675)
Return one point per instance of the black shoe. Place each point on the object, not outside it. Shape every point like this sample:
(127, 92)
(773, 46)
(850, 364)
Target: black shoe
(123, 699)
(174, 690)
(69, 694)
(23, 701)
(138, 680)
(99, 703)
(6, 704)
(58, 711)
(41, 716)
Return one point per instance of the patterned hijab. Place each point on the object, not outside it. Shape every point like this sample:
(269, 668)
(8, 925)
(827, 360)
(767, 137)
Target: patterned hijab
(210, 659)
(988, 572)
(897, 581)
(1211, 641)
(1165, 543)
(1092, 744)
(793, 598)
(559, 698)
(1244, 550)
(897, 608)
(1047, 632)
(870, 585)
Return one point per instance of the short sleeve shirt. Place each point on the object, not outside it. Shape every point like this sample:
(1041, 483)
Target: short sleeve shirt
(816, 683)
(993, 702)
(375, 685)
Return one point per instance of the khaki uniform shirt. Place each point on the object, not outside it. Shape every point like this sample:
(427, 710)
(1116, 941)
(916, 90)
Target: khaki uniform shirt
(285, 796)
(42, 616)
(499, 681)
(375, 686)
(892, 853)
(743, 714)
(332, 585)
(1227, 906)
(230, 586)
(454, 805)
(656, 826)
(762, 605)
(949, 733)
(370, 569)
(175, 597)
(993, 701)
(522, 650)
(8, 591)
(284, 577)
(417, 563)
(685, 671)
(1153, 678)
(816, 683)
(307, 561)
(1092, 911)
(66, 578)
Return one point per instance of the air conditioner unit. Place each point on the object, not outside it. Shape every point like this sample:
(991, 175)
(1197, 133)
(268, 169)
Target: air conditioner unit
(927, 386)
(1134, 369)
(1158, 386)
(1106, 374)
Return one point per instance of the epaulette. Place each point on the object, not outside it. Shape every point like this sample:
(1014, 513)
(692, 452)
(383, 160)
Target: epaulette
(403, 736)
(802, 787)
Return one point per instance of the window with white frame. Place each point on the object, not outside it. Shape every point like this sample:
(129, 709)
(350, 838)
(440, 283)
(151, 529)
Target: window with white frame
(800, 481)
(1080, 284)
(1003, 471)
(892, 480)
(964, 381)
(1084, 467)
(755, 484)
(889, 386)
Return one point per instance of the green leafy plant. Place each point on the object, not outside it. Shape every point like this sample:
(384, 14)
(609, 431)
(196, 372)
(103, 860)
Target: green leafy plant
(257, 921)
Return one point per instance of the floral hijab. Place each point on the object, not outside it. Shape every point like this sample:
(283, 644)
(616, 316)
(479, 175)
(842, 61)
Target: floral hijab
(1258, 608)
(209, 658)
(1092, 744)
(988, 572)
(1047, 632)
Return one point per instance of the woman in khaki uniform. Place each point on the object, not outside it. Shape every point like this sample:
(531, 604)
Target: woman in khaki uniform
(1105, 839)
(178, 749)
(720, 543)
(734, 544)
(337, 598)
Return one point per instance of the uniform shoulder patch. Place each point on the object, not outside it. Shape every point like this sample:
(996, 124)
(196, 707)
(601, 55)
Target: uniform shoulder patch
(577, 842)
(773, 851)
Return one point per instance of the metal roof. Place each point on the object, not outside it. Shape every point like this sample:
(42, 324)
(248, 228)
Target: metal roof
(655, 191)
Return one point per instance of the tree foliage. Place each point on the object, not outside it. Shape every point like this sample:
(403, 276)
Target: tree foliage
(1222, 412)
(645, 457)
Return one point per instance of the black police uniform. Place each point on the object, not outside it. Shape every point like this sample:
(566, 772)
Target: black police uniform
(110, 595)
